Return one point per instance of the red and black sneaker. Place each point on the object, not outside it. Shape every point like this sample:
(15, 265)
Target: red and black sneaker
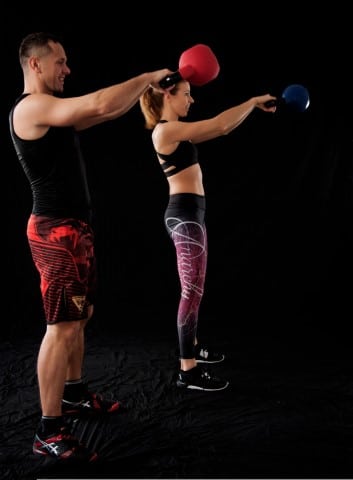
(63, 446)
(91, 403)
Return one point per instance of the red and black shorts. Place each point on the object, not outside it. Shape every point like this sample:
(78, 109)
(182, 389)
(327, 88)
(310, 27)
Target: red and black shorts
(63, 252)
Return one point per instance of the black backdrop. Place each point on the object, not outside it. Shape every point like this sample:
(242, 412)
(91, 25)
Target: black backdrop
(279, 216)
(279, 188)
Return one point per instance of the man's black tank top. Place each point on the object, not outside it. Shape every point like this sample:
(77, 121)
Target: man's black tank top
(56, 172)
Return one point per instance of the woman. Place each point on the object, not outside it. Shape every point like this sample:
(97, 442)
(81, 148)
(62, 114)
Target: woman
(175, 144)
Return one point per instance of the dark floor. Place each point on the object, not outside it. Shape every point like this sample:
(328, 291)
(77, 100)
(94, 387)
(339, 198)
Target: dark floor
(287, 413)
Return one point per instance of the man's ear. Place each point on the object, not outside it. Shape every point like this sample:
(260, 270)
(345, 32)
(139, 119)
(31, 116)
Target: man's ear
(34, 63)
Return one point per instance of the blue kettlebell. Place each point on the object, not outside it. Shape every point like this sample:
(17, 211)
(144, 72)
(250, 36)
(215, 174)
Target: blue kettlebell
(295, 97)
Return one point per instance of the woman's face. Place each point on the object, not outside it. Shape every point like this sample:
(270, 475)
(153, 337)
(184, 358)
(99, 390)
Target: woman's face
(182, 99)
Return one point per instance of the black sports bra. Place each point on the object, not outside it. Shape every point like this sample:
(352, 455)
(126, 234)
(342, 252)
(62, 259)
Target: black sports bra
(185, 155)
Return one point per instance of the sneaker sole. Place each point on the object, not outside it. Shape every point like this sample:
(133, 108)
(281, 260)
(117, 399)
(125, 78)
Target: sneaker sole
(201, 360)
(93, 457)
(195, 387)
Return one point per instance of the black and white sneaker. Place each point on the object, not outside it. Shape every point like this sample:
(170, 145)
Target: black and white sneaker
(206, 355)
(199, 379)
(62, 445)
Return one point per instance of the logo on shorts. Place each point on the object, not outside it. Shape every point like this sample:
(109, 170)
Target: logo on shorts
(79, 301)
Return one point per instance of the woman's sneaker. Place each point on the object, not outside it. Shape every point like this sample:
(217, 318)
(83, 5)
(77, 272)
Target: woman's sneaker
(206, 355)
(62, 445)
(199, 379)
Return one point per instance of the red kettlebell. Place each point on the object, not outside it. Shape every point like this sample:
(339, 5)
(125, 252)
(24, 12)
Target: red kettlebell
(198, 65)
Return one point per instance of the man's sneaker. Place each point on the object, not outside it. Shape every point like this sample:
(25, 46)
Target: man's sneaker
(63, 446)
(91, 403)
(205, 355)
(199, 379)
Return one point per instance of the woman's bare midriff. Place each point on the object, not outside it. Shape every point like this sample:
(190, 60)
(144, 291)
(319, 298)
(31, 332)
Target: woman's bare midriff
(187, 181)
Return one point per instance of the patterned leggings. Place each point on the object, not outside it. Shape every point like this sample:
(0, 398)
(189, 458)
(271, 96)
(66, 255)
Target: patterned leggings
(185, 222)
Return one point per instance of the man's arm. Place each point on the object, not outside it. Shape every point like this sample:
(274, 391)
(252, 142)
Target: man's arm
(36, 113)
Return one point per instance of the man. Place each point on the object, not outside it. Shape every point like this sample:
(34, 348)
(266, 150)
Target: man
(44, 130)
